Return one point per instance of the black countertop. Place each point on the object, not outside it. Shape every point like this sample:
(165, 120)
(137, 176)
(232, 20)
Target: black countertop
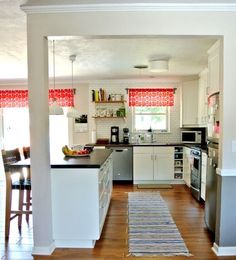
(203, 147)
(95, 160)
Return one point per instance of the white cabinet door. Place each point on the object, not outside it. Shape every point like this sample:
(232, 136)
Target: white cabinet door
(187, 169)
(202, 98)
(190, 103)
(163, 163)
(164, 167)
(214, 68)
(143, 163)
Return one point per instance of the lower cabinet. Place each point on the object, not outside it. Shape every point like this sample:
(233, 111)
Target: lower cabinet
(153, 164)
(80, 201)
(203, 175)
(187, 166)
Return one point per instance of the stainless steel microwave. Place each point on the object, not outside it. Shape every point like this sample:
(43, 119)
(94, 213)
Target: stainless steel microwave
(191, 137)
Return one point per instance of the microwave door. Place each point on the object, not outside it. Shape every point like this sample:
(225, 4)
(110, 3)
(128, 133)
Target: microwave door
(188, 137)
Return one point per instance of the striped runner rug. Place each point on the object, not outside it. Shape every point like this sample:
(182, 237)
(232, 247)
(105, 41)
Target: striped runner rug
(152, 231)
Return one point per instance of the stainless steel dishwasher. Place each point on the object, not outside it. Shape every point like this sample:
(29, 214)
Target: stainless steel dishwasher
(122, 163)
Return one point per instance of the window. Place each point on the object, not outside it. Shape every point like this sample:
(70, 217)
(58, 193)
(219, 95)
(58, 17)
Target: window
(156, 118)
(16, 129)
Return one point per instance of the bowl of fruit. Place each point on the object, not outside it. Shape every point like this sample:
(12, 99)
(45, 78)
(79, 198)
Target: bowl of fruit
(78, 152)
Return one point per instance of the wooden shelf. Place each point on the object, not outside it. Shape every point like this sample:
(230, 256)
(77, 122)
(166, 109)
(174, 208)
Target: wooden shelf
(107, 117)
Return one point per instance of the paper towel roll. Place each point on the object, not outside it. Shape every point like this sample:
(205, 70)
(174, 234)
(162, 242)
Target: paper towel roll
(93, 137)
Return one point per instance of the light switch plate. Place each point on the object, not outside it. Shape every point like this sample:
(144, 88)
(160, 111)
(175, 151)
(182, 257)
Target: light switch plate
(234, 146)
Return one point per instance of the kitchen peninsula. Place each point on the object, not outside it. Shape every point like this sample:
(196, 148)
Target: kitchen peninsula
(81, 193)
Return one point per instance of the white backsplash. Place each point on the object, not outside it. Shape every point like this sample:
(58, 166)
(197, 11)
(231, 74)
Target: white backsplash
(103, 126)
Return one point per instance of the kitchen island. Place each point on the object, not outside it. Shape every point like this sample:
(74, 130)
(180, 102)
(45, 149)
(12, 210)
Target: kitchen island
(81, 193)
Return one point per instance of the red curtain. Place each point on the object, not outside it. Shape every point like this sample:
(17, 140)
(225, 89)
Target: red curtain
(13, 98)
(148, 97)
(19, 98)
(64, 97)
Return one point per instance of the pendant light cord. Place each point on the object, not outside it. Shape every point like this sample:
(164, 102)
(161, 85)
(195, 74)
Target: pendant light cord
(72, 73)
(72, 59)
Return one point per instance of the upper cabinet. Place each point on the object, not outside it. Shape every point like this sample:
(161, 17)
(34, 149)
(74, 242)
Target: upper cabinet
(190, 103)
(202, 98)
(214, 67)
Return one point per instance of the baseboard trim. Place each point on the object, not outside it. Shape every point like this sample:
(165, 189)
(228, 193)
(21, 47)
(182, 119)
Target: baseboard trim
(74, 243)
(224, 250)
(43, 250)
(226, 172)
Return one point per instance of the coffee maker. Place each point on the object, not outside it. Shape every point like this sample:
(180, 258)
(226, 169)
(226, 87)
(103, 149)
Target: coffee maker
(114, 135)
(125, 135)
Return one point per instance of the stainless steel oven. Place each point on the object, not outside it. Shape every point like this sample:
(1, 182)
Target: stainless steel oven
(195, 178)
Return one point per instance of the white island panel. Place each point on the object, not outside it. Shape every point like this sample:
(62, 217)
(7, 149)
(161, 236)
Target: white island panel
(80, 200)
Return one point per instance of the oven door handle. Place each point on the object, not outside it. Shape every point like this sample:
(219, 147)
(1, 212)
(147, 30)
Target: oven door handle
(194, 188)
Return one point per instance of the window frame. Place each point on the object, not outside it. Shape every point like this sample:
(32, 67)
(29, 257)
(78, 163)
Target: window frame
(167, 113)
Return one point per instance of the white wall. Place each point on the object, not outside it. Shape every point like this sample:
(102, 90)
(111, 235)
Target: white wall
(103, 126)
(82, 104)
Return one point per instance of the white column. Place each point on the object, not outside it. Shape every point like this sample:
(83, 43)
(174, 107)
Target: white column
(39, 140)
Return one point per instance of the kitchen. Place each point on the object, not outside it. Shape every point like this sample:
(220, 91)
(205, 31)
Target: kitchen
(228, 161)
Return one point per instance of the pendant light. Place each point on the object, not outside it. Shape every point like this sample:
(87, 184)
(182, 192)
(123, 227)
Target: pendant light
(72, 111)
(55, 109)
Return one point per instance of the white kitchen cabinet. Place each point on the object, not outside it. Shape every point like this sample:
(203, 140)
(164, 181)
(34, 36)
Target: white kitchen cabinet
(190, 103)
(202, 98)
(143, 165)
(203, 175)
(153, 164)
(214, 66)
(80, 201)
(187, 165)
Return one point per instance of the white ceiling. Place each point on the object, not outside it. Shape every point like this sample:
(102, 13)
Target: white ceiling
(98, 58)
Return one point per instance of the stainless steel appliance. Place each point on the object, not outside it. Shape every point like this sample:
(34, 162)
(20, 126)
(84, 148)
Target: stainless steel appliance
(125, 135)
(114, 135)
(195, 177)
(191, 136)
(211, 186)
(122, 163)
(212, 161)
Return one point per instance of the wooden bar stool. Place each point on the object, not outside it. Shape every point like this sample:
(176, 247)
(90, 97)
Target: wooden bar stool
(26, 153)
(21, 184)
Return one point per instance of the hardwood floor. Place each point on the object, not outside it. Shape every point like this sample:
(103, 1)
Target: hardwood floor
(187, 213)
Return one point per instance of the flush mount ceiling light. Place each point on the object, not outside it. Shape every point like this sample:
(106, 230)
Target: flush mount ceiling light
(72, 112)
(160, 65)
(55, 109)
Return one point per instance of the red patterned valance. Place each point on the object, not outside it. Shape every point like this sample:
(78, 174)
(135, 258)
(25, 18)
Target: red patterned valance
(13, 98)
(19, 98)
(151, 97)
(64, 97)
